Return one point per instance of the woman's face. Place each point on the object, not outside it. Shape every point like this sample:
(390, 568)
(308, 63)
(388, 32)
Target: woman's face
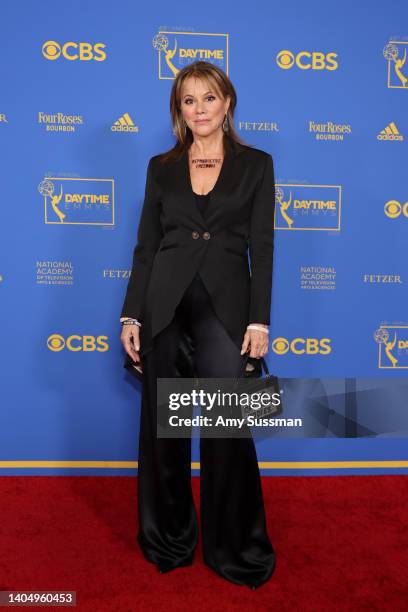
(202, 108)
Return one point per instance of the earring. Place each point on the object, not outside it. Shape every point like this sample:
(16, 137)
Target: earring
(225, 125)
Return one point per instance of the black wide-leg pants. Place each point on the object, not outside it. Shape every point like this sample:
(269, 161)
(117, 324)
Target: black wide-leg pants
(233, 527)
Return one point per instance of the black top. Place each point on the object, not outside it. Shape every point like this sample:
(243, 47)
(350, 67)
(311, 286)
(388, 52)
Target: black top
(202, 202)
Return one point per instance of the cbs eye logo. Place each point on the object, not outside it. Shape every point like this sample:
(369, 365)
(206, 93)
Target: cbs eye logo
(393, 209)
(307, 60)
(75, 343)
(301, 346)
(72, 51)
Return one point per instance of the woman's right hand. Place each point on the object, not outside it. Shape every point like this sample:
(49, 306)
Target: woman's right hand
(130, 338)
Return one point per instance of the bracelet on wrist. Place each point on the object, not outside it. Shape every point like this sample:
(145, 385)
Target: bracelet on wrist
(132, 322)
(258, 327)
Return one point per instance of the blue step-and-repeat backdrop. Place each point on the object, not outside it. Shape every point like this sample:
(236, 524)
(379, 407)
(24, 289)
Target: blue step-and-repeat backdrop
(84, 104)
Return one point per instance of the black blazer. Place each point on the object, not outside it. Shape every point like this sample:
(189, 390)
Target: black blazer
(174, 241)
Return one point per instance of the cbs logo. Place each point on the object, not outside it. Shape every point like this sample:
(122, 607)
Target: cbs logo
(301, 346)
(306, 60)
(76, 343)
(394, 209)
(83, 51)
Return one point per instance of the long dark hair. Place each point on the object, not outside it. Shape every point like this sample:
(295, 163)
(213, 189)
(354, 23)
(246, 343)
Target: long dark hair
(217, 80)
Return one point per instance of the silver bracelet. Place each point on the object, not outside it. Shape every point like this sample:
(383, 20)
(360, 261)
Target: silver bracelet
(258, 327)
(132, 322)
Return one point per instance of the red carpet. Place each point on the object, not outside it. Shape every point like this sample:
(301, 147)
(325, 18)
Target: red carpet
(341, 544)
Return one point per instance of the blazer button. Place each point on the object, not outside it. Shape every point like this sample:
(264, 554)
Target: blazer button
(206, 235)
(195, 235)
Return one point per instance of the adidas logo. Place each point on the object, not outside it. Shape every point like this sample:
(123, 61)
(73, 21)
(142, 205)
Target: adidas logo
(124, 124)
(390, 133)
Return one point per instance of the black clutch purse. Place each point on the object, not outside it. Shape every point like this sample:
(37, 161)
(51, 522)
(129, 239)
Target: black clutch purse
(253, 370)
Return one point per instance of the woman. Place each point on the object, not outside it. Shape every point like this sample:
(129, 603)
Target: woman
(206, 201)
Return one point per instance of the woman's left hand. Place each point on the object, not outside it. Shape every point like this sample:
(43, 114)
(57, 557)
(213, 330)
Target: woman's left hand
(257, 341)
